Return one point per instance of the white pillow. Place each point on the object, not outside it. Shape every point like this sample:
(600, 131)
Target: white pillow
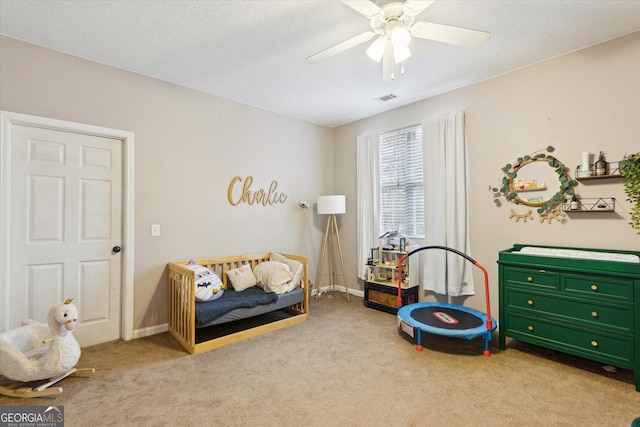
(296, 267)
(241, 278)
(273, 276)
(296, 278)
(208, 286)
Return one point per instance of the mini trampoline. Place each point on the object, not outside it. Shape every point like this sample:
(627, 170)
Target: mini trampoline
(442, 318)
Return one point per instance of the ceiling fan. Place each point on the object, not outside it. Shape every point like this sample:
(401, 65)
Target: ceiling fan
(394, 25)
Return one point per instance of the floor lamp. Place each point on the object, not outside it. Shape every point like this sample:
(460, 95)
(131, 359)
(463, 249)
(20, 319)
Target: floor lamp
(331, 205)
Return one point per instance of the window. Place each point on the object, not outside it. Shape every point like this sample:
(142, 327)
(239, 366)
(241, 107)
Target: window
(401, 182)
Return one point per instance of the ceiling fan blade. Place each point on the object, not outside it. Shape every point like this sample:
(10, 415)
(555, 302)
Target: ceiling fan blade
(449, 34)
(415, 7)
(341, 47)
(364, 7)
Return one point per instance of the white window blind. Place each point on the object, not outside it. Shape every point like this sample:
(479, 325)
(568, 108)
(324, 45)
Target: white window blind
(401, 182)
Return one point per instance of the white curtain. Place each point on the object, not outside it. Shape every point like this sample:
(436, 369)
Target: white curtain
(368, 193)
(446, 205)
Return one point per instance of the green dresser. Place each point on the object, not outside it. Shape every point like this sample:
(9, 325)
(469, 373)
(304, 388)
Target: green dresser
(585, 307)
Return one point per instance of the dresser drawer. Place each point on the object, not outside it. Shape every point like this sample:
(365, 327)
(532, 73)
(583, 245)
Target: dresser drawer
(612, 288)
(532, 277)
(590, 314)
(614, 349)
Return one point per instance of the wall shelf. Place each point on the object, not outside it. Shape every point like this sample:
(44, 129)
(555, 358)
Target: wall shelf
(614, 172)
(595, 204)
(520, 190)
(588, 178)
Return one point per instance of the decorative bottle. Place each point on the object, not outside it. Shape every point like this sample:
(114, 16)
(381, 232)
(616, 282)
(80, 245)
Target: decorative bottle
(601, 165)
(574, 205)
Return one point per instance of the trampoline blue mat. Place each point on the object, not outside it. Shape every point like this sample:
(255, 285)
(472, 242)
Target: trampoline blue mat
(446, 319)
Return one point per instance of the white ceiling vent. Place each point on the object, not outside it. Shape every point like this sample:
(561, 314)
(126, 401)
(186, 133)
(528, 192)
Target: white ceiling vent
(386, 98)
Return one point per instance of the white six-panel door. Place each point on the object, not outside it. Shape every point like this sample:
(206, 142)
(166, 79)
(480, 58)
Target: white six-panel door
(66, 230)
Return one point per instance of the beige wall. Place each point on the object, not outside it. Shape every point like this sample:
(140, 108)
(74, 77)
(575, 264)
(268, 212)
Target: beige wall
(188, 148)
(190, 145)
(588, 100)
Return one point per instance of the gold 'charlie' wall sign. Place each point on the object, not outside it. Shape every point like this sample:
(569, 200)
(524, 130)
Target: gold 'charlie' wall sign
(260, 197)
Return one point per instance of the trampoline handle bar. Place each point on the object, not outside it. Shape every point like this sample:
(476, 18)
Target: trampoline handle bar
(462, 254)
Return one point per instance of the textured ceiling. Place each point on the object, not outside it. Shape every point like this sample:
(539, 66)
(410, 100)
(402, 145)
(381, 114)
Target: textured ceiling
(254, 52)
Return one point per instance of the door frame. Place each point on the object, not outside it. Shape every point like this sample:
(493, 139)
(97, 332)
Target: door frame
(10, 119)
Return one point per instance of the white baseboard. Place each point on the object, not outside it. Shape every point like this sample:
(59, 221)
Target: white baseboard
(151, 330)
(339, 288)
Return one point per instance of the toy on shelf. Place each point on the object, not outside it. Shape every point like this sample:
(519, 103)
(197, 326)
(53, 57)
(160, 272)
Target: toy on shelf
(382, 273)
(391, 246)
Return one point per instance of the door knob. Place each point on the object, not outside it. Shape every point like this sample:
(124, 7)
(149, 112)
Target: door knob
(116, 249)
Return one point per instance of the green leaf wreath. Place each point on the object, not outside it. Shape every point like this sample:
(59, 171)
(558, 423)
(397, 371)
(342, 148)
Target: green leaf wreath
(509, 172)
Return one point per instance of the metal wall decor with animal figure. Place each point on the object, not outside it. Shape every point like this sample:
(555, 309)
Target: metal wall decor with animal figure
(530, 182)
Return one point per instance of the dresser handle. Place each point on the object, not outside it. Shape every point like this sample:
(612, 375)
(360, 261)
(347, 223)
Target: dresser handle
(530, 302)
(594, 343)
(594, 314)
(530, 328)
(529, 279)
(594, 287)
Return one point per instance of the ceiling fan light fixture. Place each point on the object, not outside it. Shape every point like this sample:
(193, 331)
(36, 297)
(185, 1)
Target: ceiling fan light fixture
(401, 53)
(377, 48)
(400, 36)
(393, 23)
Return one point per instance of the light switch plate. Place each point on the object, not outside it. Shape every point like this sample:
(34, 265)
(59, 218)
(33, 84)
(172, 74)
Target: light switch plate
(155, 230)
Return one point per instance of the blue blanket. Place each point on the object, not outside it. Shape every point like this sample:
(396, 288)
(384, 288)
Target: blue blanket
(230, 299)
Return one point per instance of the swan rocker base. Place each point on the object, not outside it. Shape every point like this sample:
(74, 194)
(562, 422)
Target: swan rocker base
(22, 389)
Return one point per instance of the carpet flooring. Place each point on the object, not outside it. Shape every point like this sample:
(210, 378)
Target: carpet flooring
(346, 366)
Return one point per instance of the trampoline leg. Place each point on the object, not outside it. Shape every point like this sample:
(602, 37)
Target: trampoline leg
(486, 352)
(419, 346)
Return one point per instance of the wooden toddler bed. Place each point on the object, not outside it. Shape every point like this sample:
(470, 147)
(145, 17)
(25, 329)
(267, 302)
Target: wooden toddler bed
(194, 326)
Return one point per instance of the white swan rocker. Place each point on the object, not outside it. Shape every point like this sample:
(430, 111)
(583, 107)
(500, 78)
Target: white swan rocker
(39, 351)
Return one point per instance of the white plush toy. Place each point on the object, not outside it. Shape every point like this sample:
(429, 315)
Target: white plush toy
(38, 351)
(208, 286)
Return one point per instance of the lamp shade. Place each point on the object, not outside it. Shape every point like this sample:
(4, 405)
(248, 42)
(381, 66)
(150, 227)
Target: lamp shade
(331, 205)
